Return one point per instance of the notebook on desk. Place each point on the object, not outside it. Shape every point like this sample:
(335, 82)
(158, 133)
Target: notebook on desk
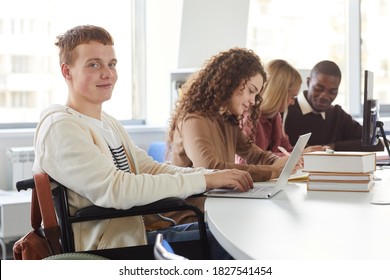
(269, 188)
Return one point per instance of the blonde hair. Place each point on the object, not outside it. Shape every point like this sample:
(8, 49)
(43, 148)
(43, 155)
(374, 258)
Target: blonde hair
(281, 78)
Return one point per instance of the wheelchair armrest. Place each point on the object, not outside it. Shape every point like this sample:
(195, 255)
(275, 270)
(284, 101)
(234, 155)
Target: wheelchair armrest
(27, 184)
(164, 205)
(197, 195)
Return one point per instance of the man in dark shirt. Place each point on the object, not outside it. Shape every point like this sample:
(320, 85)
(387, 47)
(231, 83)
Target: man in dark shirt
(313, 112)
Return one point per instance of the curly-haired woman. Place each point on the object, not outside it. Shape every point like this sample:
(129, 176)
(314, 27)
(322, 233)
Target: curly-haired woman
(206, 127)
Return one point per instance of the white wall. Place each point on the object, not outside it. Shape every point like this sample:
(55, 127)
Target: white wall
(183, 34)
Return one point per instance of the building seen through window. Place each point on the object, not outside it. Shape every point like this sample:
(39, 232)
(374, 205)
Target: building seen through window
(304, 32)
(375, 17)
(30, 77)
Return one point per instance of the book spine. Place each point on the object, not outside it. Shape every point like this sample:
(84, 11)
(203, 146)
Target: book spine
(336, 190)
(342, 187)
(340, 181)
(339, 164)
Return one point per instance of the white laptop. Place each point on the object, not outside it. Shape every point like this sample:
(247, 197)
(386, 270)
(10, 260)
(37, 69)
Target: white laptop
(269, 188)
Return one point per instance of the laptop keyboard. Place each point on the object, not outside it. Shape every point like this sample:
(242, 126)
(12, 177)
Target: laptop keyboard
(261, 191)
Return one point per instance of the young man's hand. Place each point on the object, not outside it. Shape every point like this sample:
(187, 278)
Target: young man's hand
(229, 178)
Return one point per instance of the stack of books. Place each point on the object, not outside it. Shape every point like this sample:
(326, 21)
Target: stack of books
(340, 171)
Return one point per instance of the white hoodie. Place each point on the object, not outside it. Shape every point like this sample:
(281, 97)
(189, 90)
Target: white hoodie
(74, 153)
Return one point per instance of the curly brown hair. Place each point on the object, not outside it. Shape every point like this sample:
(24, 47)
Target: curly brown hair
(210, 89)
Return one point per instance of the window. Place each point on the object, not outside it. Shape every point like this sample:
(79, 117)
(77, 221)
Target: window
(375, 17)
(30, 77)
(147, 35)
(346, 31)
(303, 32)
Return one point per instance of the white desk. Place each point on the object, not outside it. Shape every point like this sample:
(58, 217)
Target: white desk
(300, 224)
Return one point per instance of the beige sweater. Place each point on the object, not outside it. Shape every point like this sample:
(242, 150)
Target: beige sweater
(73, 153)
(202, 142)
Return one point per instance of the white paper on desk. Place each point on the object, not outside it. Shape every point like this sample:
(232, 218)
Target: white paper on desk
(299, 176)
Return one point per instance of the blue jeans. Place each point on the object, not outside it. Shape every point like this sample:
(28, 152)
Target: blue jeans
(187, 232)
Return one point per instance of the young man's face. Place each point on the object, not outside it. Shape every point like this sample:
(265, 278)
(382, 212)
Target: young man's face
(92, 75)
(322, 91)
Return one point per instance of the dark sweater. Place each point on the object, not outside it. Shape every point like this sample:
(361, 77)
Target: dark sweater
(338, 129)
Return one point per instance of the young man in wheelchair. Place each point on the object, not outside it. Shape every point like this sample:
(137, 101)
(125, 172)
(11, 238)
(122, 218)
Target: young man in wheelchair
(88, 151)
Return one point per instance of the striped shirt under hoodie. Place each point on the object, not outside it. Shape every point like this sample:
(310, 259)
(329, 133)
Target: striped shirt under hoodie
(113, 141)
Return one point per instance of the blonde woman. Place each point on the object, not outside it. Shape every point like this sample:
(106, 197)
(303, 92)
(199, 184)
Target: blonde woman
(282, 87)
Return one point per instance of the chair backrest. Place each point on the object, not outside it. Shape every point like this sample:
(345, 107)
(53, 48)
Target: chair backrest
(157, 150)
(60, 199)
